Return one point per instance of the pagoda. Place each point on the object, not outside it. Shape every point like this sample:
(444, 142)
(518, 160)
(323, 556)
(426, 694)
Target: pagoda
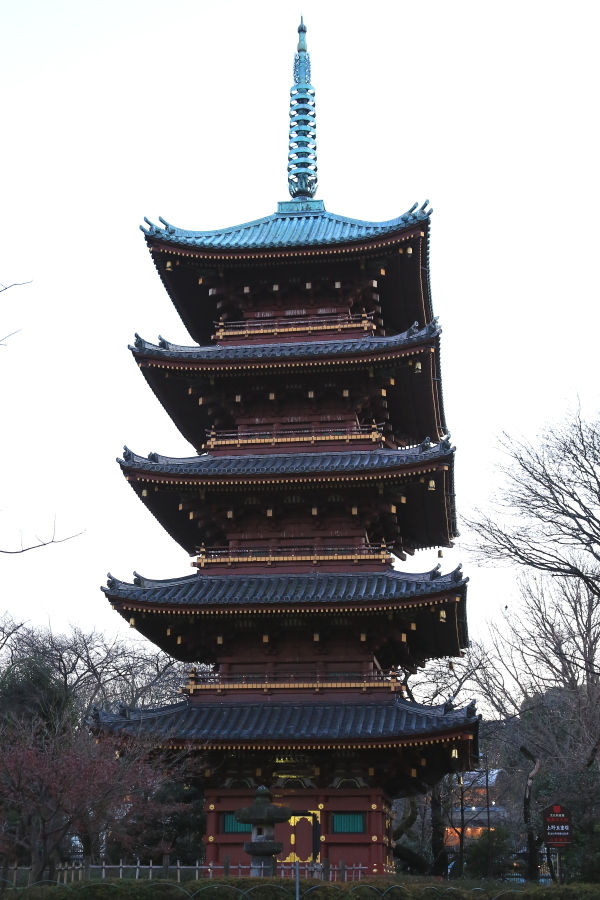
(313, 399)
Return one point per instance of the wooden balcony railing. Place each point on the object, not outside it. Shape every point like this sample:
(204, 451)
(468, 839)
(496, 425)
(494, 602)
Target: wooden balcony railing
(373, 433)
(273, 555)
(282, 325)
(203, 681)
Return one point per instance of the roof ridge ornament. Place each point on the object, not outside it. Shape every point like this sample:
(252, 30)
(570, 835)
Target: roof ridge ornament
(302, 156)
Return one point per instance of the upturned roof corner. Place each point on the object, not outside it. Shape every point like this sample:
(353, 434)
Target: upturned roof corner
(295, 224)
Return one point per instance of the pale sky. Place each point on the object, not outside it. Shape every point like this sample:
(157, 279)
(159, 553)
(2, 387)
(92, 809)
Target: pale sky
(114, 111)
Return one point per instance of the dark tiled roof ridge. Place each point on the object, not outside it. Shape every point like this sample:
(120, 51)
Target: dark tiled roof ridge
(453, 577)
(305, 589)
(412, 335)
(440, 711)
(285, 229)
(286, 463)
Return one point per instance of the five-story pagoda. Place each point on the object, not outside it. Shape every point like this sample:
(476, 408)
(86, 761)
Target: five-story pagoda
(313, 400)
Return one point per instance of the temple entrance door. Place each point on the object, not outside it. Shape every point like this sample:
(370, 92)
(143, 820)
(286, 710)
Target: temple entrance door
(303, 837)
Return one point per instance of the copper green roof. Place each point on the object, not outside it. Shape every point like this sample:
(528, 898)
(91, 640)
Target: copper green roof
(301, 221)
(306, 224)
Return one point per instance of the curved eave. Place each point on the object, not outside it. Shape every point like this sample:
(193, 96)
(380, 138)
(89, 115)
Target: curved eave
(289, 467)
(404, 293)
(252, 725)
(196, 641)
(166, 486)
(213, 600)
(283, 231)
(217, 356)
(204, 592)
(414, 402)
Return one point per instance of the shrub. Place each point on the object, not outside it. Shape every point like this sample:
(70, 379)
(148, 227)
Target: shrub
(492, 850)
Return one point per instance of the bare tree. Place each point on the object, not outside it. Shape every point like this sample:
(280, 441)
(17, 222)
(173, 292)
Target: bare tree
(450, 680)
(53, 539)
(93, 669)
(547, 517)
(41, 543)
(8, 631)
(7, 287)
(541, 675)
(56, 780)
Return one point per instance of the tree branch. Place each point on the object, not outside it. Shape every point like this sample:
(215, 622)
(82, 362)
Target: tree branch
(53, 540)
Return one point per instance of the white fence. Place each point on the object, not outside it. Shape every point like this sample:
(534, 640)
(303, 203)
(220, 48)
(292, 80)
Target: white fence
(67, 873)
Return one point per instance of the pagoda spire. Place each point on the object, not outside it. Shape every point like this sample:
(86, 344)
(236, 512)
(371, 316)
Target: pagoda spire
(302, 156)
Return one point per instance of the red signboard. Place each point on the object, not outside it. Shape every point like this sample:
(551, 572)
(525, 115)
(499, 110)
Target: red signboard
(557, 826)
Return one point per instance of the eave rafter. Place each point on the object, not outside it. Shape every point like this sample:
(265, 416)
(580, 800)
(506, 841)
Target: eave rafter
(400, 374)
(308, 610)
(451, 737)
(309, 481)
(354, 361)
(285, 255)
(414, 478)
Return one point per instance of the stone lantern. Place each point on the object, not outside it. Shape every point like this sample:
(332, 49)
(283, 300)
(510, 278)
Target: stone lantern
(263, 815)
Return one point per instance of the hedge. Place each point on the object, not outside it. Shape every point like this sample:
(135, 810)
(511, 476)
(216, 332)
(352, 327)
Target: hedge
(283, 889)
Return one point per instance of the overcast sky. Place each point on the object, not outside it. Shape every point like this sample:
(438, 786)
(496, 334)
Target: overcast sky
(114, 111)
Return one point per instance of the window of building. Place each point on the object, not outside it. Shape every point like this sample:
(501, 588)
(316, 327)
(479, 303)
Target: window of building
(232, 826)
(348, 823)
